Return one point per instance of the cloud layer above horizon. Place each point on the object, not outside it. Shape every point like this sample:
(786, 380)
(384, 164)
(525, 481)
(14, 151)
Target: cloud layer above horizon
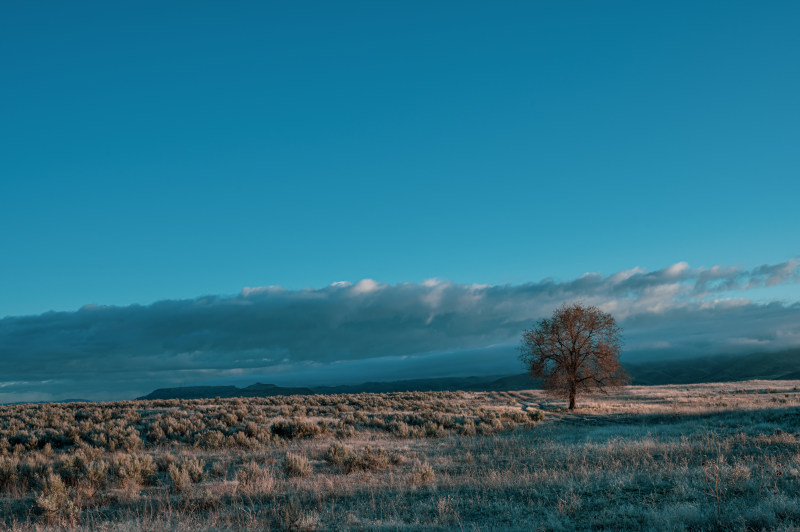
(435, 328)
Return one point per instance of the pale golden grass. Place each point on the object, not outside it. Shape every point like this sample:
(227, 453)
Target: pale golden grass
(699, 457)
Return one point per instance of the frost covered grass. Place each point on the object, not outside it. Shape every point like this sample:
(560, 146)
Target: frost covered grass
(700, 457)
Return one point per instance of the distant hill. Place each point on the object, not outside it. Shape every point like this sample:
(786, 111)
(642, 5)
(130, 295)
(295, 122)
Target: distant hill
(474, 384)
(209, 392)
(720, 368)
(783, 365)
(60, 401)
(491, 383)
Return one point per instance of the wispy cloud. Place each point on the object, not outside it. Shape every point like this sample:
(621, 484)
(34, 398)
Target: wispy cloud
(108, 351)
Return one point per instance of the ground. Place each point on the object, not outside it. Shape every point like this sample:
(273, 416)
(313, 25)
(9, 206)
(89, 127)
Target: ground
(698, 457)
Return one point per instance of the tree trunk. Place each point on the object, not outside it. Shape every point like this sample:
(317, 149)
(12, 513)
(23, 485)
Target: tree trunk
(572, 398)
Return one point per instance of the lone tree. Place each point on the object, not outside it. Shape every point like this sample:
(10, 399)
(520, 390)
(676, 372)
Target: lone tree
(575, 351)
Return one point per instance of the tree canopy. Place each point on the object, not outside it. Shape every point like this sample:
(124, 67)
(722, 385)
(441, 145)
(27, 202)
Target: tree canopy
(574, 351)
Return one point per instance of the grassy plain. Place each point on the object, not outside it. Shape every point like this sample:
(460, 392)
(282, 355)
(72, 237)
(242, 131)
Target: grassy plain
(696, 457)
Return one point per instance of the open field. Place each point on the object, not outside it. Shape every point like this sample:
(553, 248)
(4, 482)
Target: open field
(706, 456)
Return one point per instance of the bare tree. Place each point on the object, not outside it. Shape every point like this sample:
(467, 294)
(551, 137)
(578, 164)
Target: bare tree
(576, 350)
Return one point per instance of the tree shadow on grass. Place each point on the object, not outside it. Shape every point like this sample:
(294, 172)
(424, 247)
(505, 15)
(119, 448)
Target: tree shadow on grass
(786, 419)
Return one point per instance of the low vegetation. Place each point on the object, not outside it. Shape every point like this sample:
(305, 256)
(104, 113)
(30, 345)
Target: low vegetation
(724, 456)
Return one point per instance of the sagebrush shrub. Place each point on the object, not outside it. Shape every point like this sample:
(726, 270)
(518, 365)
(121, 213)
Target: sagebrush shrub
(337, 454)
(295, 429)
(536, 415)
(139, 469)
(165, 460)
(194, 467)
(255, 480)
(97, 473)
(422, 473)
(368, 460)
(54, 502)
(297, 465)
(399, 429)
(9, 475)
(213, 439)
(434, 430)
(345, 431)
(467, 428)
(181, 481)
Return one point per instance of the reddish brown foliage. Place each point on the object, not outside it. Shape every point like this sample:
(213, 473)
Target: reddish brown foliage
(576, 350)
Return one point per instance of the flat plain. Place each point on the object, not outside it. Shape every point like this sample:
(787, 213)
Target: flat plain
(689, 457)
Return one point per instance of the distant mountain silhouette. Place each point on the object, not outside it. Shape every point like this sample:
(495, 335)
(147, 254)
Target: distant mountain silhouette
(784, 365)
(210, 392)
(492, 383)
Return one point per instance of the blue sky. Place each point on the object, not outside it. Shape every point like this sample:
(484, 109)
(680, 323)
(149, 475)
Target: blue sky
(156, 152)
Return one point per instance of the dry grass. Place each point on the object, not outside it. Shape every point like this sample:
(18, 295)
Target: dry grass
(701, 457)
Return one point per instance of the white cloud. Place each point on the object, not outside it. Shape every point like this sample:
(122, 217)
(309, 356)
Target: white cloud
(677, 269)
(749, 342)
(248, 291)
(365, 286)
(624, 275)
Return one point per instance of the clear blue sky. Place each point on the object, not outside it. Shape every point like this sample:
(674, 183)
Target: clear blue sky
(159, 151)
